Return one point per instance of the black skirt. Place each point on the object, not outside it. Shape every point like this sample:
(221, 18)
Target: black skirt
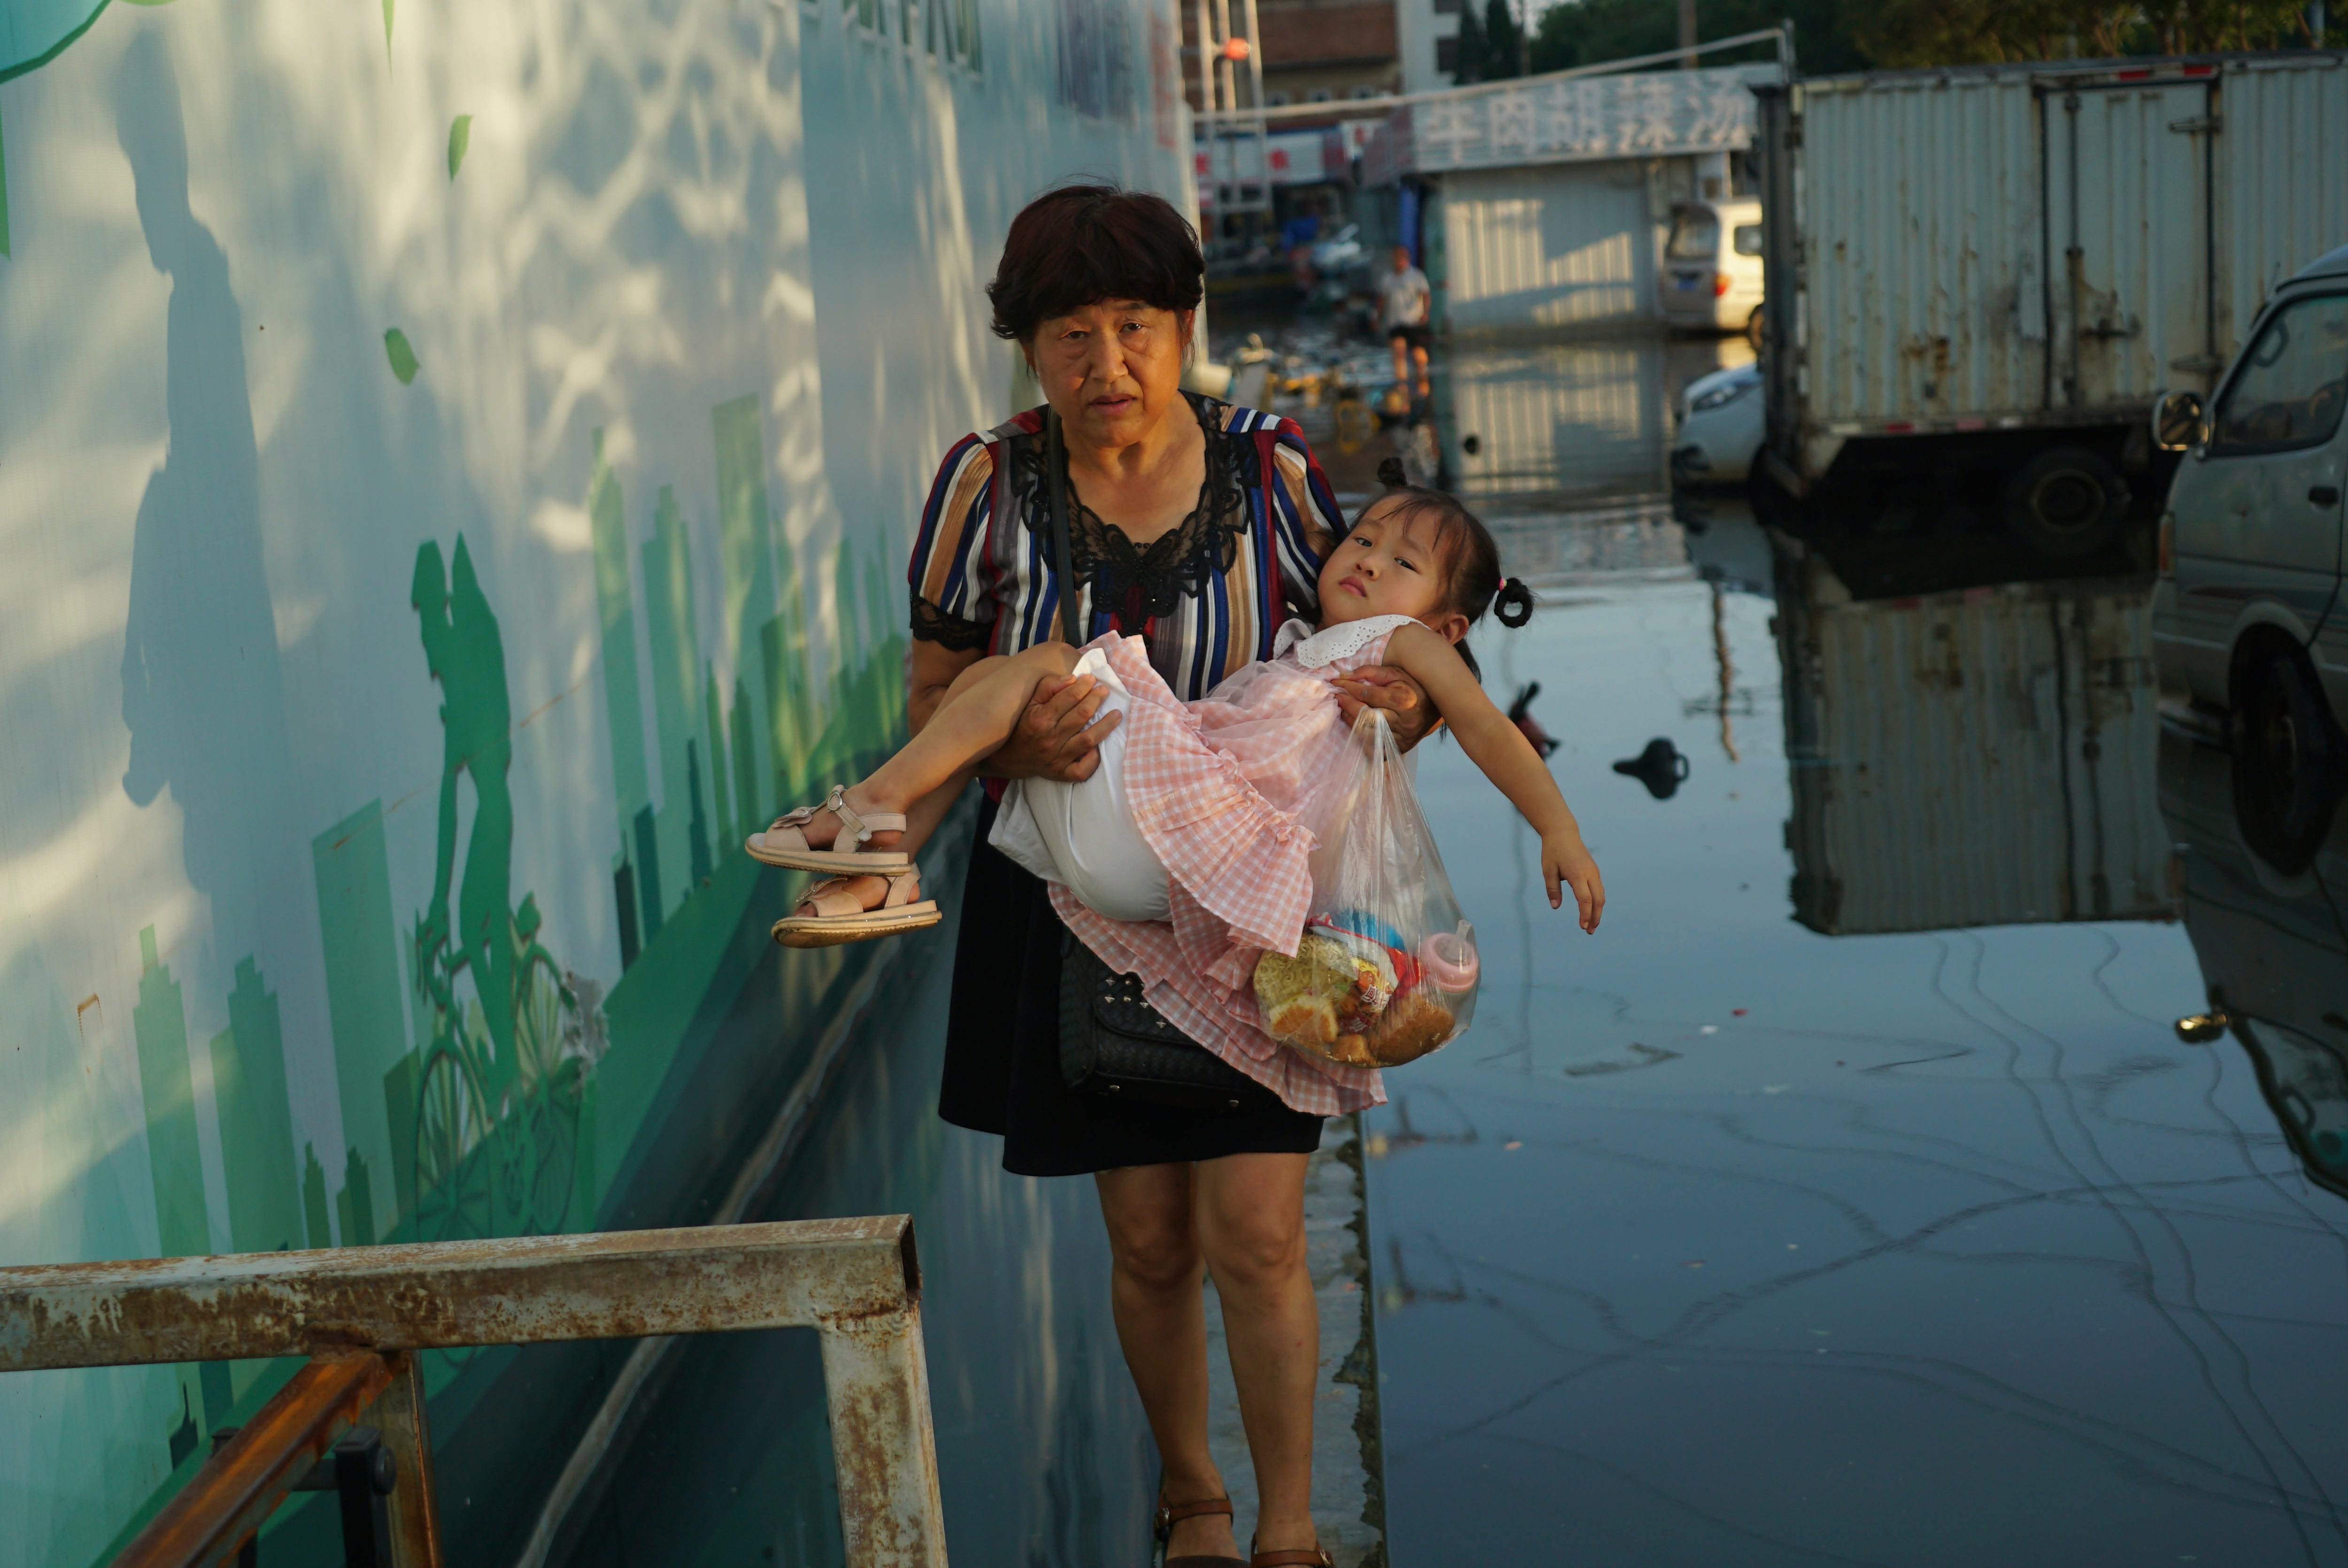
(1003, 1049)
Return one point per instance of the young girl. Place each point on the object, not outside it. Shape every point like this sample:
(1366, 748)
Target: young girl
(1184, 855)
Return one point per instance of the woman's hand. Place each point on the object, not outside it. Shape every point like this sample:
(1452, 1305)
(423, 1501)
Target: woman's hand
(1566, 863)
(1408, 712)
(1055, 738)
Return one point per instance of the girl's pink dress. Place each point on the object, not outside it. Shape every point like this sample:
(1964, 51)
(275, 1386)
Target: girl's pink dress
(1223, 788)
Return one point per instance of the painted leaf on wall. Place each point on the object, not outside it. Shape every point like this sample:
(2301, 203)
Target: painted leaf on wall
(461, 135)
(403, 358)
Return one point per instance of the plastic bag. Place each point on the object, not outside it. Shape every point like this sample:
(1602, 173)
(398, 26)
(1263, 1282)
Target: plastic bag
(1385, 970)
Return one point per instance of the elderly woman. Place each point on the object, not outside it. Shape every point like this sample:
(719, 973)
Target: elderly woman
(1199, 527)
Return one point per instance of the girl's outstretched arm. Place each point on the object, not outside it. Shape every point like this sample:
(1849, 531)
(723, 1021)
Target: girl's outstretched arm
(1508, 759)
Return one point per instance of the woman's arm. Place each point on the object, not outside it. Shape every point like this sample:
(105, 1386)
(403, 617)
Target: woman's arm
(930, 668)
(1508, 759)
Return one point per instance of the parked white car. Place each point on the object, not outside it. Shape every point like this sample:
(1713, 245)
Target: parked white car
(1722, 418)
(1712, 266)
(1339, 251)
(2245, 616)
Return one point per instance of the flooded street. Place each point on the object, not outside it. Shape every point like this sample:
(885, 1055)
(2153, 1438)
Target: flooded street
(1849, 1197)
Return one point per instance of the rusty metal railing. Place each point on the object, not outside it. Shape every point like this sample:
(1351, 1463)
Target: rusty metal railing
(361, 1315)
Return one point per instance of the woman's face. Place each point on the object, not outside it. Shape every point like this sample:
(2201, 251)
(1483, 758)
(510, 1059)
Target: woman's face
(1111, 370)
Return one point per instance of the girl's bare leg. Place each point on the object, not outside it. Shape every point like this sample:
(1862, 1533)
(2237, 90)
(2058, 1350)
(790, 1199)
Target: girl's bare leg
(970, 725)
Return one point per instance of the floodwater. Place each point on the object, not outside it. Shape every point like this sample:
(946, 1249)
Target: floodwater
(1849, 1197)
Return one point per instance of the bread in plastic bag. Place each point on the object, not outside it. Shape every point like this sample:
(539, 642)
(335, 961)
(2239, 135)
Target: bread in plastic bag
(1385, 969)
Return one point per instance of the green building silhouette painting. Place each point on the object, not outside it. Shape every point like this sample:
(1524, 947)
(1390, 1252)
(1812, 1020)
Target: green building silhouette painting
(496, 1125)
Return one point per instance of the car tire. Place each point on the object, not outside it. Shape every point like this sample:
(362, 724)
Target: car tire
(2287, 754)
(1753, 328)
(2065, 502)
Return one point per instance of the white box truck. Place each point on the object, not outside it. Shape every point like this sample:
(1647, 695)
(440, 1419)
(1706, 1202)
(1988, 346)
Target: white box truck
(1980, 277)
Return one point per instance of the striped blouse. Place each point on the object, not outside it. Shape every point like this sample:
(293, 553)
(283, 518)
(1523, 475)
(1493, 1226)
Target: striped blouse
(1208, 595)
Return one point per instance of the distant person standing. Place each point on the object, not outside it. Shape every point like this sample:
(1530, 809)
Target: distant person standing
(1296, 236)
(1405, 297)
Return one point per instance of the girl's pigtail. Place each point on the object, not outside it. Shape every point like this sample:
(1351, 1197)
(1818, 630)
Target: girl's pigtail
(1512, 605)
(1392, 475)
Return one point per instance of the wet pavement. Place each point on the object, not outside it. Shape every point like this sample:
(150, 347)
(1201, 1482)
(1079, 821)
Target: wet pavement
(1849, 1196)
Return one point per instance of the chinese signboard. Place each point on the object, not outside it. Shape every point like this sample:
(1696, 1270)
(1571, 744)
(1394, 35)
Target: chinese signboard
(1644, 114)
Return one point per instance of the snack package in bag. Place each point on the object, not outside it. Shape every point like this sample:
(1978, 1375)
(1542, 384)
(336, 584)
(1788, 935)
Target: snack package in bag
(1385, 970)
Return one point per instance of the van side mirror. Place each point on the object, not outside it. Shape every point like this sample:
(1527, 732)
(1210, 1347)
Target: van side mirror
(2177, 421)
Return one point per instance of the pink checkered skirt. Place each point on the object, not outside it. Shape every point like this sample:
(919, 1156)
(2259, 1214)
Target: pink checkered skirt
(1223, 789)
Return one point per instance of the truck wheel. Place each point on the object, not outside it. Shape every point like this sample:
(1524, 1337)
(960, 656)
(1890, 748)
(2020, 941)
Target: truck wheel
(2286, 747)
(2065, 502)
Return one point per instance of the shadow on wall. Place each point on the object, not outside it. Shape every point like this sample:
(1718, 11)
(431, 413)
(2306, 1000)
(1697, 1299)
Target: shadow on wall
(202, 694)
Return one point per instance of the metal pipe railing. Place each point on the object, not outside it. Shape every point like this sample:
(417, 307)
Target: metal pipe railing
(360, 1314)
(1379, 108)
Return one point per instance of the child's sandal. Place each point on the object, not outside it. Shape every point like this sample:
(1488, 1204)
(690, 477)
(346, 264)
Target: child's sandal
(785, 844)
(838, 916)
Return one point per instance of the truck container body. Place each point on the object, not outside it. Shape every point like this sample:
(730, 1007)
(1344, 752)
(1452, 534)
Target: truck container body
(1980, 757)
(1981, 262)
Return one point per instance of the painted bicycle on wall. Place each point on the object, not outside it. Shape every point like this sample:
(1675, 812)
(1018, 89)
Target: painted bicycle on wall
(499, 1089)
(497, 1120)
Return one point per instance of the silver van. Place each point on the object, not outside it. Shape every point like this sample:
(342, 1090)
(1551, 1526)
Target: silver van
(1712, 267)
(2247, 621)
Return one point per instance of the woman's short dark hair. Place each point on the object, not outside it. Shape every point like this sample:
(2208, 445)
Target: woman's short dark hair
(1081, 244)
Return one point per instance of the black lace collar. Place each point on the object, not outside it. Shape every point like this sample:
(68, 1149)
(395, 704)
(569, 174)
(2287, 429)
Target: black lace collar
(1138, 584)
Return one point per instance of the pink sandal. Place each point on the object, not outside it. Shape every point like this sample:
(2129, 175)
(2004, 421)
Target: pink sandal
(784, 845)
(838, 916)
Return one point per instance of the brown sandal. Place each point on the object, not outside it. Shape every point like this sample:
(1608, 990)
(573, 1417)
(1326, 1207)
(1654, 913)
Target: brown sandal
(1169, 1514)
(1288, 1557)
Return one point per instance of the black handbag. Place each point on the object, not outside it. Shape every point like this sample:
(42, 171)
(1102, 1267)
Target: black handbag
(1116, 1045)
(1113, 1043)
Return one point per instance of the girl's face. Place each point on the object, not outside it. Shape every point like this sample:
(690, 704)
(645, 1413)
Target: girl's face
(1111, 370)
(1391, 563)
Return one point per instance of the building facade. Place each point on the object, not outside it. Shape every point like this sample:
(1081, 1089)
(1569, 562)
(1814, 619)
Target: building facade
(1318, 51)
(1427, 33)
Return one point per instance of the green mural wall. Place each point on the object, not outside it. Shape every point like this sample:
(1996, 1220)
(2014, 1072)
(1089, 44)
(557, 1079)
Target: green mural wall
(455, 477)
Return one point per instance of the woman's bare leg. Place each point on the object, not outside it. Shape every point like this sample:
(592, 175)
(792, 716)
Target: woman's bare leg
(1155, 1275)
(1249, 1223)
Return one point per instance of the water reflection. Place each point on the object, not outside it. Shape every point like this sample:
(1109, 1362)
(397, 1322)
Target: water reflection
(1849, 1197)
(1568, 419)
(1980, 756)
(1502, 425)
(2271, 942)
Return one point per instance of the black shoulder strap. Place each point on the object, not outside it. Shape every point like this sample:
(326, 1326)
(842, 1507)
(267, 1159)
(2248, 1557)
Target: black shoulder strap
(1056, 469)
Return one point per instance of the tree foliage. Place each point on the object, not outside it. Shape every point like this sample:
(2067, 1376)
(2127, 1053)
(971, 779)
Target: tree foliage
(1503, 56)
(1468, 61)
(1950, 32)
(1835, 36)
(1590, 32)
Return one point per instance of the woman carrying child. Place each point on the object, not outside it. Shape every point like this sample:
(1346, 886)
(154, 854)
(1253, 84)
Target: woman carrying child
(1197, 529)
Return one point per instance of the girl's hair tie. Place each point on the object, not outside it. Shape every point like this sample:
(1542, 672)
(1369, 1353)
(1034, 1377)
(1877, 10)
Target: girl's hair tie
(1512, 603)
(1392, 475)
